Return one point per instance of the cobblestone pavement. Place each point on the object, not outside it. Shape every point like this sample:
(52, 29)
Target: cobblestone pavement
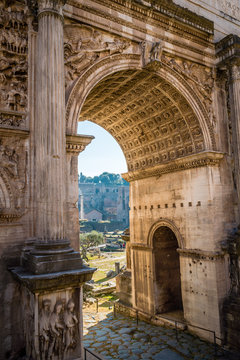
(121, 338)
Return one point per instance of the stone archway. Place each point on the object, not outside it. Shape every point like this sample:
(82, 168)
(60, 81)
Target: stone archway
(166, 136)
(167, 284)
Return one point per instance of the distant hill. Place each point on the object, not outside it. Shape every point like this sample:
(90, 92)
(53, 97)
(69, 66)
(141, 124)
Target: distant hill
(105, 178)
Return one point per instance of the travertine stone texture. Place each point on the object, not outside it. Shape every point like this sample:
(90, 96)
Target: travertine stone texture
(201, 197)
(152, 74)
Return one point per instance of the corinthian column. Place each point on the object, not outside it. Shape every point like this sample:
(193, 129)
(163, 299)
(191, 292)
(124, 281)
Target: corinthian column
(50, 143)
(234, 94)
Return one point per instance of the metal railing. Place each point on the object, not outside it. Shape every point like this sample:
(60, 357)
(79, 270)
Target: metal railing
(217, 346)
(92, 354)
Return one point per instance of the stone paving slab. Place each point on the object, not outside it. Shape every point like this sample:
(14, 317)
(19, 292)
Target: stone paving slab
(122, 339)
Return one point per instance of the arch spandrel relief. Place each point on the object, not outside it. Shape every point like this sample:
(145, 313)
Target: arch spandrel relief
(132, 102)
(84, 46)
(13, 66)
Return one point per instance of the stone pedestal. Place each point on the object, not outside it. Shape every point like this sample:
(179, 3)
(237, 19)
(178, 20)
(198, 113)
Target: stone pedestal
(51, 272)
(51, 278)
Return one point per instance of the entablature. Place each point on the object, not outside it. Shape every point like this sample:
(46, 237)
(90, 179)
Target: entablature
(205, 158)
(139, 21)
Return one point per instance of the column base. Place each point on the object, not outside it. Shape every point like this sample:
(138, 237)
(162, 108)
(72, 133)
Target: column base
(51, 278)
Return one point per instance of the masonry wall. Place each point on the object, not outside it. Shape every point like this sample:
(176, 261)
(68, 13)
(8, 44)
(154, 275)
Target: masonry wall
(198, 204)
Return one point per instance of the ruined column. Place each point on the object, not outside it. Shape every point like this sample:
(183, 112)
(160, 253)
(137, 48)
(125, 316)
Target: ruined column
(50, 143)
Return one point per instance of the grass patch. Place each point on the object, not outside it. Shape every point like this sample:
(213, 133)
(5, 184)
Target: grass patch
(99, 276)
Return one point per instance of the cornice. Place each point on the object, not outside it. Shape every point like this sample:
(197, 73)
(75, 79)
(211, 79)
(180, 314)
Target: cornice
(77, 143)
(6, 132)
(206, 158)
(168, 16)
(201, 254)
(228, 51)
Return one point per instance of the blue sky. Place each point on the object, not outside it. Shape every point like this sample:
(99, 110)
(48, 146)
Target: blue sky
(103, 154)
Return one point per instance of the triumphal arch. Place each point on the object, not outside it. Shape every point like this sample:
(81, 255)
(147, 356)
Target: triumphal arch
(163, 78)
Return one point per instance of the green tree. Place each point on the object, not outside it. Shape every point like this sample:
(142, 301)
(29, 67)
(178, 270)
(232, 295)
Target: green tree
(89, 240)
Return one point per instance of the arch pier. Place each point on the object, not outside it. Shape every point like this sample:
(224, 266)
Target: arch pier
(163, 80)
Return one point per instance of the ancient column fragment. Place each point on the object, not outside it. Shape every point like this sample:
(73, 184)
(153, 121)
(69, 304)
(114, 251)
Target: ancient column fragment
(50, 143)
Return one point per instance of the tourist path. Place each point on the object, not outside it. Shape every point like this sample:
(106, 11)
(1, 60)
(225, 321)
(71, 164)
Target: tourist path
(123, 339)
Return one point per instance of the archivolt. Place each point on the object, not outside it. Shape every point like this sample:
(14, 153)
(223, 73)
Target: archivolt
(153, 113)
(170, 225)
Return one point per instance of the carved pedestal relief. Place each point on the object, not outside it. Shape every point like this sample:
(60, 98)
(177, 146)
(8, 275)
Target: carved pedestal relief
(13, 66)
(54, 320)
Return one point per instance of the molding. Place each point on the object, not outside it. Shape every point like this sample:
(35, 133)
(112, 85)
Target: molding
(9, 218)
(228, 50)
(201, 254)
(166, 223)
(206, 158)
(14, 132)
(90, 78)
(137, 246)
(161, 12)
(77, 143)
(166, 36)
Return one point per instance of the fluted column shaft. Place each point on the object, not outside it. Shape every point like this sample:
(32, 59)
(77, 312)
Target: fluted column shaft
(50, 142)
(234, 93)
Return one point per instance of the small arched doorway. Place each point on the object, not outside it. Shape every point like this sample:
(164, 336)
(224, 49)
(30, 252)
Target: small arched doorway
(167, 290)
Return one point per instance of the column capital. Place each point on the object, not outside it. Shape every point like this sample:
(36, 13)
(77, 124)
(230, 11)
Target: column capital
(54, 6)
(37, 7)
(75, 144)
(235, 72)
(228, 51)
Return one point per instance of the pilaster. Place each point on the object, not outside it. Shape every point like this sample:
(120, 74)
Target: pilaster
(228, 54)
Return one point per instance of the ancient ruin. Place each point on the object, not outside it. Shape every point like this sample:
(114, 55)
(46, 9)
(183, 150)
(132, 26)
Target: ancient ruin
(162, 77)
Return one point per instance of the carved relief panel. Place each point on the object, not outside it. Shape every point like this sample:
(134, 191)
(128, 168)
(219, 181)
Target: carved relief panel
(85, 45)
(13, 66)
(13, 178)
(53, 320)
